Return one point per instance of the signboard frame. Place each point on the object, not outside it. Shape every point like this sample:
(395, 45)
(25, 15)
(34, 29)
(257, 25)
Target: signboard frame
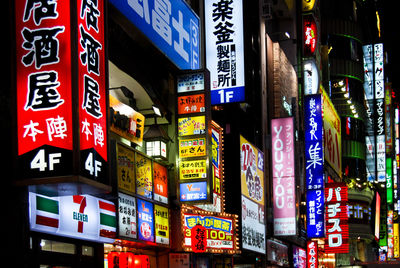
(200, 85)
(84, 159)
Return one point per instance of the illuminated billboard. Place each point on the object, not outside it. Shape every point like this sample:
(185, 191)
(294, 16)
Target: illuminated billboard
(225, 50)
(61, 75)
(336, 216)
(252, 189)
(77, 216)
(283, 174)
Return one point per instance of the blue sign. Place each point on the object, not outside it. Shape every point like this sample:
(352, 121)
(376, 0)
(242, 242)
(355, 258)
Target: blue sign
(193, 191)
(172, 26)
(313, 126)
(315, 213)
(227, 95)
(145, 212)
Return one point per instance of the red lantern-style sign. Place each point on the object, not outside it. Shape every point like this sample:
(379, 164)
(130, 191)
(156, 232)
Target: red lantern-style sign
(199, 239)
(127, 260)
(310, 35)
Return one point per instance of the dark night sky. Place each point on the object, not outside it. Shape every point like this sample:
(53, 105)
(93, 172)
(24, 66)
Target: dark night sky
(390, 25)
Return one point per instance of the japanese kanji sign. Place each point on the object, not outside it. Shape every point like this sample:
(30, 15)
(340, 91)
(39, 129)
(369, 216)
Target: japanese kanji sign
(43, 83)
(49, 93)
(219, 231)
(315, 214)
(252, 190)
(337, 228)
(310, 35)
(284, 195)
(224, 50)
(193, 131)
(92, 89)
(172, 26)
(313, 128)
(312, 254)
(191, 104)
(199, 239)
(127, 216)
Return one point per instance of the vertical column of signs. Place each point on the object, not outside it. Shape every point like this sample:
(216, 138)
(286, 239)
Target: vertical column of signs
(143, 195)
(313, 130)
(193, 132)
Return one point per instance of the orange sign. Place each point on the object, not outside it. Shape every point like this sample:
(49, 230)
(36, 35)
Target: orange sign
(191, 104)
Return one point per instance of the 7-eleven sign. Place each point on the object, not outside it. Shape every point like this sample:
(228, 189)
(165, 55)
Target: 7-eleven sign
(80, 216)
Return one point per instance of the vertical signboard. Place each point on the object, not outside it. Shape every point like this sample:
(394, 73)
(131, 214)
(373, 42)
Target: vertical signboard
(144, 176)
(312, 254)
(313, 128)
(43, 84)
(283, 174)
(310, 35)
(337, 228)
(252, 189)
(225, 50)
(161, 216)
(127, 216)
(49, 93)
(193, 132)
(160, 181)
(92, 91)
(145, 221)
(125, 168)
(217, 170)
(332, 135)
(172, 26)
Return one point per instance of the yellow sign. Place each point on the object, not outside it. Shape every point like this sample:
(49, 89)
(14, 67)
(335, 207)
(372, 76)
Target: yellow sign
(332, 134)
(192, 147)
(125, 168)
(308, 5)
(144, 179)
(126, 122)
(161, 224)
(396, 250)
(252, 171)
(195, 125)
(196, 169)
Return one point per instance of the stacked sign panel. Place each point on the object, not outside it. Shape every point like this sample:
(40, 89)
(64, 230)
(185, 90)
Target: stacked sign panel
(143, 196)
(194, 148)
(225, 50)
(253, 196)
(283, 174)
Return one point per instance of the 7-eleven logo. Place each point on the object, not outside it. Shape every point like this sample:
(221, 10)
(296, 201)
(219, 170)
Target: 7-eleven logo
(80, 216)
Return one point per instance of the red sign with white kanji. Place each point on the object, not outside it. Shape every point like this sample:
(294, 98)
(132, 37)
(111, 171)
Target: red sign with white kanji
(336, 216)
(92, 89)
(312, 254)
(49, 89)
